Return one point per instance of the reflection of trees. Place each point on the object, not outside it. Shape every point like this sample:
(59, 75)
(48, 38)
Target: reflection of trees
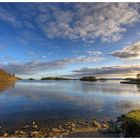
(105, 88)
(138, 87)
(6, 85)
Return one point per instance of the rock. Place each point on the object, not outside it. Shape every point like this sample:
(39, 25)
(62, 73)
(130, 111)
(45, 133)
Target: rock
(56, 130)
(5, 134)
(65, 125)
(119, 118)
(131, 124)
(34, 126)
(26, 126)
(60, 136)
(112, 129)
(60, 127)
(22, 134)
(80, 122)
(95, 124)
(18, 132)
(119, 127)
(73, 125)
(121, 135)
(104, 125)
(34, 134)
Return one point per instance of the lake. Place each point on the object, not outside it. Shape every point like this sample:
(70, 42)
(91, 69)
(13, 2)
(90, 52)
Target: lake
(50, 102)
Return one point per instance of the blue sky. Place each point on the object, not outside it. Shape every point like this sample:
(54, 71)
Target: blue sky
(70, 39)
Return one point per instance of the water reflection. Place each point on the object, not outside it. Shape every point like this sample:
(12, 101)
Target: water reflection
(138, 87)
(46, 100)
(6, 85)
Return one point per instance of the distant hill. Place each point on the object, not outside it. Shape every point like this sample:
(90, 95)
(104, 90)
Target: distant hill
(4, 76)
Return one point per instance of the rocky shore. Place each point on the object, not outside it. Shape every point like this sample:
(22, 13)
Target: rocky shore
(67, 129)
(127, 125)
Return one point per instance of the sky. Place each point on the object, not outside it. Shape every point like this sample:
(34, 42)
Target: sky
(70, 39)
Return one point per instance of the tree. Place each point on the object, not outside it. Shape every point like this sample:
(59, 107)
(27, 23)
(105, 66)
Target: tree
(138, 76)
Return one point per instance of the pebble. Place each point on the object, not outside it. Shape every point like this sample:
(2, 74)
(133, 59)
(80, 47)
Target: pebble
(34, 126)
(56, 130)
(60, 127)
(96, 124)
(5, 134)
(119, 127)
(34, 134)
(66, 128)
(60, 136)
(73, 125)
(80, 122)
(20, 133)
(26, 126)
(104, 125)
(121, 135)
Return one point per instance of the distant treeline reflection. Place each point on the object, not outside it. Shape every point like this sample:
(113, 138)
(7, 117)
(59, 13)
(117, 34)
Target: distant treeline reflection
(6, 85)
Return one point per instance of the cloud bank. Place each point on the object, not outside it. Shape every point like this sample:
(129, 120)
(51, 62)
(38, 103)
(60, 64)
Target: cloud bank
(130, 52)
(35, 67)
(111, 71)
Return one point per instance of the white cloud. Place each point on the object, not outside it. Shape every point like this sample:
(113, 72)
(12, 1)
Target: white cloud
(97, 53)
(130, 52)
(43, 56)
(89, 21)
(29, 25)
(84, 21)
(8, 17)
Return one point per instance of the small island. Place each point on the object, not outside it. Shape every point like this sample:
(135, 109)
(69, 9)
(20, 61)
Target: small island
(102, 79)
(92, 78)
(88, 78)
(54, 78)
(132, 80)
(31, 79)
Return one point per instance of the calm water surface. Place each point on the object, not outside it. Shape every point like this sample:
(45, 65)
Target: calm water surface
(52, 101)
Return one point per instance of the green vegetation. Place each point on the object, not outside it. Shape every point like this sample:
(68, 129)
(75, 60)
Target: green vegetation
(133, 117)
(4, 76)
(102, 79)
(88, 78)
(128, 79)
(54, 78)
(132, 80)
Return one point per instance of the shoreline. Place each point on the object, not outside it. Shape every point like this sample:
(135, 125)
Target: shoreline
(66, 129)
(125, 82)
(127, 125)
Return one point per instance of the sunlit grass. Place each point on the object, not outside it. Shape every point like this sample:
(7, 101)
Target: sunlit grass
(133, 116)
